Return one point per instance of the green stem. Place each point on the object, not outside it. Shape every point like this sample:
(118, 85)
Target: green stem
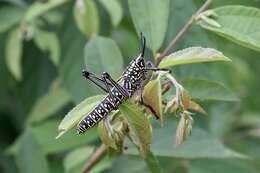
(153, 163)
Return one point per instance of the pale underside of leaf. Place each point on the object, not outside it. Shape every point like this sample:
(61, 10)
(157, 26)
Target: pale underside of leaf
(192, 55)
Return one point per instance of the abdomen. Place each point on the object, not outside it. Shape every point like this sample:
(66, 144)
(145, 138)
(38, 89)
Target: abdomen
(100, 111)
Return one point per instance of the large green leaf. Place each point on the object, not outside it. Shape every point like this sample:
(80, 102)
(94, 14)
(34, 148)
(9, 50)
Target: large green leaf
(9, 16)
(14, 53)
(50, 103)
(102, 54)
(199, 145)
(221, 113)
(151, 18)
(48, 42)
(30, 157)
(76, 159)
(223, 166)
(114, 9)
(39, 8)
(240, 24)
(86, 15)
(127, 42)
(208, 90)
(140, 129)
(192, 55)
(45, 136)
(124, 163)
(72, 62)
(78, 113)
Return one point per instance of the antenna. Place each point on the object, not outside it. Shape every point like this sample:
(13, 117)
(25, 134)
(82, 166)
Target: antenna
(143, 41)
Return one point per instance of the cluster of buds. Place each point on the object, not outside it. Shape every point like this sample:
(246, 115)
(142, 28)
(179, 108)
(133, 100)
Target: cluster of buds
(179, 104)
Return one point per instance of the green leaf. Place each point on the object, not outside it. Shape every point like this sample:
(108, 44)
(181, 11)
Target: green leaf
(152, 97)
(199, 145)
(102, 54)
(45, 137)
(124, 163)
(86, 16)
(151, 18)
(14, 53)
(48, 42)
(76, 159)
(78, 113)
(152, 163)
(240, 24)
(50, 103)
(223, 113)
(208, 90)
(140, 128)
(223, 166)
(72, 61)
(30, 157)
(192, 55)
(102, 166)
(120, 35)
(114, 9)
(249, 118)
(9, 16)
(39, 8)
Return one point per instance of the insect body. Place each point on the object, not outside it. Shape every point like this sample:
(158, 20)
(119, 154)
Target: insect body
(101, 110)
(118, 91)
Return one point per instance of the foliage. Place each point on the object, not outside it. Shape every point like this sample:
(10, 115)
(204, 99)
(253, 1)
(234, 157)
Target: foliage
(44, 45)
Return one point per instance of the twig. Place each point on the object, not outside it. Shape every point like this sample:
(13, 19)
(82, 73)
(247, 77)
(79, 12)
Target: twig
(166, 87)
(183, 31)
(95, 158)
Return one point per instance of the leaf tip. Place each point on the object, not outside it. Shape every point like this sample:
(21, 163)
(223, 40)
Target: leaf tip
(61, 132)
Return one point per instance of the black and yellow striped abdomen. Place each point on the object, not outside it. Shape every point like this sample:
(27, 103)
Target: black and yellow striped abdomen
(101, 110)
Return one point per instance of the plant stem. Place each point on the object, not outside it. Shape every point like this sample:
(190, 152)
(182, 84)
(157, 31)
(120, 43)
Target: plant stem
(95, 158)
(186, 27)
(153, 163)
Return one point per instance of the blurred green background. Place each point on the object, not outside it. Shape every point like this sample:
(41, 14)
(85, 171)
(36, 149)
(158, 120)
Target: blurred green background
(50, 45)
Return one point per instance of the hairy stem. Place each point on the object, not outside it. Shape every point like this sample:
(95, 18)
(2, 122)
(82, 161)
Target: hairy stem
(186, 27)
